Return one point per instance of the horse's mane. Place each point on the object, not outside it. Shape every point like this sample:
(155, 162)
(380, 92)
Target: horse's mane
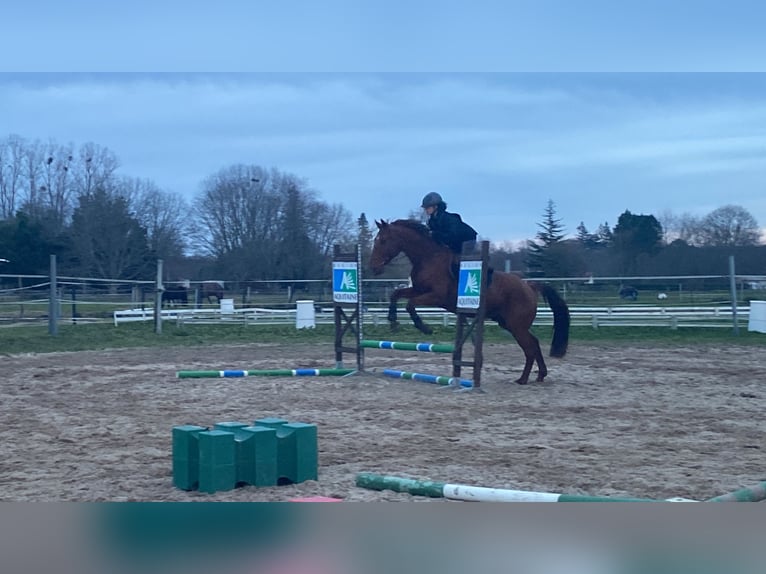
(414, 225)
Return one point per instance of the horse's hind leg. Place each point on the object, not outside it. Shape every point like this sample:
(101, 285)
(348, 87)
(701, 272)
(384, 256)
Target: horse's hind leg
(392, 315)
(532, 352)
(542, 369)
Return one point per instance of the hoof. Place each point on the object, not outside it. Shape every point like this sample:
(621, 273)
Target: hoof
(394, 326)
(521, 381)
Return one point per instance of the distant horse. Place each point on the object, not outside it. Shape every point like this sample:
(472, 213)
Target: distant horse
(176, 294)
(210, 289)
(510, 301)
(628, 293)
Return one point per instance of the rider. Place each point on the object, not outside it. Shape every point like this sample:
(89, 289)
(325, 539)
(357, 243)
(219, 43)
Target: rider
(447, 228)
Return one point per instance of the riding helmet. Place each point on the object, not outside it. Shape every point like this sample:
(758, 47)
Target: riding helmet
(431, 199)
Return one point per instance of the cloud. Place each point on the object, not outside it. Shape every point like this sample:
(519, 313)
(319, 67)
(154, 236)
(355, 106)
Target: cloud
(497, 145)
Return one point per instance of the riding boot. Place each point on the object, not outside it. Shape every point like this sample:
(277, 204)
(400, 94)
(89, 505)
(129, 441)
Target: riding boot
(490, 272)
(455, 269)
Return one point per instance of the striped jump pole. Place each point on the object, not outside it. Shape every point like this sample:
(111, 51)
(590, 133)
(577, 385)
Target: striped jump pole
(398, 346)
(264, 373)
(474, 493)
(755, 493)
(452, 381)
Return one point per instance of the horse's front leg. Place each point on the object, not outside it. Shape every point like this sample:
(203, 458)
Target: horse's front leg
(416, 320)
(401, 293)
(427, 299)
(409, 293)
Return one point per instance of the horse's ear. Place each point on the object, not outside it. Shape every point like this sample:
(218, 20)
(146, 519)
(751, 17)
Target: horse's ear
(380, 223)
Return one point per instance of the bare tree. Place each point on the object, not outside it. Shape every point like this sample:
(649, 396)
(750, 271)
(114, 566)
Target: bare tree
(11, 181)
(95, 168)
(32, 163)
(237, 208)
(45, 180)
(729, 226)
(329, 225)
(56, 192)
(162, 213)
(670, 225)
(261, 223)
(685, 227)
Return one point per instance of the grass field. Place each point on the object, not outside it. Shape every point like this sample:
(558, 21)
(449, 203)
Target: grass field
(35, 339)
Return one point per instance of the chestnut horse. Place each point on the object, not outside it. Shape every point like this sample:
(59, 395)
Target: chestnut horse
(511, 301)
(208, 290)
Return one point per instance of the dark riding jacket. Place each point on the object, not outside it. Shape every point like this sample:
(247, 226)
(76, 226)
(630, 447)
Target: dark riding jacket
(450, 229)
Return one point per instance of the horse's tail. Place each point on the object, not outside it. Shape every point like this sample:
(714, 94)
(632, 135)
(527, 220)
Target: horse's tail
(561, 318)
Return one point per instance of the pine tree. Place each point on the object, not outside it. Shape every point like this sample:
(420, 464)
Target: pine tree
(585, 238)
(107, 240)
(364, 237)
(296, 251)
(604, 235)
(551, 230)
(635, 235)
(582, 233)
(551, 233)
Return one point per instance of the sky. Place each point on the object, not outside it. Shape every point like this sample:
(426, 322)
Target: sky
(653, 107)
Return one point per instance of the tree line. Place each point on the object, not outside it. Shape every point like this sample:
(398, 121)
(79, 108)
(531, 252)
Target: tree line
(249, 223)
(245, 222)
(642, 245)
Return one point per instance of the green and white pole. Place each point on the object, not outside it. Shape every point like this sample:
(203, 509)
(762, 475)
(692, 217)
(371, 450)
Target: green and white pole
(755, 493)
(232, 373)
(399, 346)
(474, 493)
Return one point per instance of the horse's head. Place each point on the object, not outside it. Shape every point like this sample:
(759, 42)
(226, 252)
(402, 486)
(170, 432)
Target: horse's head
(401, 236)
(385, 247)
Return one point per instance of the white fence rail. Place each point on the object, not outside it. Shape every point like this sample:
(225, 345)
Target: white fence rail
(596, 317)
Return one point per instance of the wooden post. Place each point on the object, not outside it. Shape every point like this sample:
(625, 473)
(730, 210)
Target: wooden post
(53, 303)
(158, 289)
(74, 305)
(347, 263)
(733, 287)
(470, 312)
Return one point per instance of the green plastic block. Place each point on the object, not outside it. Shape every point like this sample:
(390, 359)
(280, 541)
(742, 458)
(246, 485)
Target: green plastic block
(272, 451)
(270, 422)
(217, 461)
(257, 456)
(297, 457)
(232, 426)
(186, 456)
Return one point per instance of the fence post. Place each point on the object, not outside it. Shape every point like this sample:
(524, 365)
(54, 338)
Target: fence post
(53, 307)
(74, 305)
(733, 287)
(158, 299)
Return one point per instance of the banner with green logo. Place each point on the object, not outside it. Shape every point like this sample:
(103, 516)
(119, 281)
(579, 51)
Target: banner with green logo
(345, 282)
(469, 285)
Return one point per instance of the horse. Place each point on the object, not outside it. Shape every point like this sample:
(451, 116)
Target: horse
(628, 293)
(177, 294)
(210, 289)
(510, 301)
